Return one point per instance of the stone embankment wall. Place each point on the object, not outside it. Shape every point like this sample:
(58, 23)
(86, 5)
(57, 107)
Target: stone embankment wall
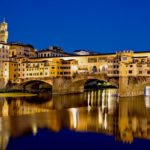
(2, 83)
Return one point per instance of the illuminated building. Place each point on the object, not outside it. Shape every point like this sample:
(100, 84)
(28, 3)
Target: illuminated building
(85, 52)
(54, 62)
(18, 49)
(4, 48)
(3, 32)
(20, 68)
(53, 51)
(114, 65)
(4, 56)
(11, 71)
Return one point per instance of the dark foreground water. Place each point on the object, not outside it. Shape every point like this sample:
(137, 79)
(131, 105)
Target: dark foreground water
(93, 120)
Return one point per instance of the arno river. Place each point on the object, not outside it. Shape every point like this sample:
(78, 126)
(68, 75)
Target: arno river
(92, 120)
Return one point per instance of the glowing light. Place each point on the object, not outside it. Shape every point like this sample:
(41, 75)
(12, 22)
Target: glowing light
(34, 129)
(147, 90)
(74, 113)
(5, 109)
(105, 124)
(103, 105)
(100, 118)
(109, 100)
(147, 101)
(88, 99)
(74, 68)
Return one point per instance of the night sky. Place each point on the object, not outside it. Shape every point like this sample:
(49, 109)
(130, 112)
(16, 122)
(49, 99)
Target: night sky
(98, 25)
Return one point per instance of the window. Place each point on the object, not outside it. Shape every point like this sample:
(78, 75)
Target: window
(124, 58)
(140, 72)
(139, 65)
(148, 72)
(92, 60)
(131, 66)
(102, 60)
(130, 71)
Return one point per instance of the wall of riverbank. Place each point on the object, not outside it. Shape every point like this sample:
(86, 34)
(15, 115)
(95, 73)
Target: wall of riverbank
(2, 83)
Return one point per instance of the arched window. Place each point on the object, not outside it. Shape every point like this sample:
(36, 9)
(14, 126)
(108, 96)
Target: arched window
(94, 69)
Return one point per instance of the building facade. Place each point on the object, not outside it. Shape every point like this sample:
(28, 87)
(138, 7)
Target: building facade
(85, 52)
(18, 49)
(125, 64)
(4, 56)
(53, 51)
(19, 69)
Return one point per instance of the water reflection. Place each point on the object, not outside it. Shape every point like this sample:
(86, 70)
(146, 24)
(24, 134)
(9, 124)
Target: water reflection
(94, 111)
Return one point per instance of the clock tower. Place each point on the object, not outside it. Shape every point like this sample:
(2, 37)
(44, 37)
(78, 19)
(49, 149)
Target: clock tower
(3, 32)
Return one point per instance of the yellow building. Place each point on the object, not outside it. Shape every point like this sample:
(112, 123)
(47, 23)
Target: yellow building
(11, 71)
(55, 68)
(18, 49)
(18, 69)
(37, 69)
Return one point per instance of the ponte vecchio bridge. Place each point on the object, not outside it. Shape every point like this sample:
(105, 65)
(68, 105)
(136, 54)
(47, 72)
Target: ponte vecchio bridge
(129, 72)
(127, 86)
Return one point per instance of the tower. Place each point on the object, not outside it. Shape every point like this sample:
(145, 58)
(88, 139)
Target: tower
(3, 32)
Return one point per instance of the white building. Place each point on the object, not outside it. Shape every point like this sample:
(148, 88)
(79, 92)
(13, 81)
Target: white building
(4, 56)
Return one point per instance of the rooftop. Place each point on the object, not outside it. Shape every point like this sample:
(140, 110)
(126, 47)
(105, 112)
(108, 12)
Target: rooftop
(20, 44)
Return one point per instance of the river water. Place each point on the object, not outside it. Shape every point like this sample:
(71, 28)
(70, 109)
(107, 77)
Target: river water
(92, 120)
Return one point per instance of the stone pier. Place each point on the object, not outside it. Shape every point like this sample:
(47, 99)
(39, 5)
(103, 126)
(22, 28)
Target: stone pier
(132, 86)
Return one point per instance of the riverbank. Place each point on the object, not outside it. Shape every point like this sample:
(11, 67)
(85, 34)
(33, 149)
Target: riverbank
(17, 94)
(10, 91)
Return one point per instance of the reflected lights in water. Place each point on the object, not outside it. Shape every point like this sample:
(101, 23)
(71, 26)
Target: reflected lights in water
(100, 117)
(147, 101)
(125, 118)
(74, 115)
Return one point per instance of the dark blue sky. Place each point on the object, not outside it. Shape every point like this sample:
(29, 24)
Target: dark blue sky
(98, 25)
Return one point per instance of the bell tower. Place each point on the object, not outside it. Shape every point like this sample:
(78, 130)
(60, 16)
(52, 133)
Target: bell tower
(3, 32)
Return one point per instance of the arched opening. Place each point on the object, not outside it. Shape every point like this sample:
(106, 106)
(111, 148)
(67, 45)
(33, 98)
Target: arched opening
(94, 69)
(97, 84)
(103, 69)
(36, 86)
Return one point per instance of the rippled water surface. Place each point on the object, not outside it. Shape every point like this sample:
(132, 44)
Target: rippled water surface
(93, 120)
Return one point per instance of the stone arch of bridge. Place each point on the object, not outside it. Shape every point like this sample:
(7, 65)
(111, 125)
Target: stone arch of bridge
(78, 84)
(36, 84)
